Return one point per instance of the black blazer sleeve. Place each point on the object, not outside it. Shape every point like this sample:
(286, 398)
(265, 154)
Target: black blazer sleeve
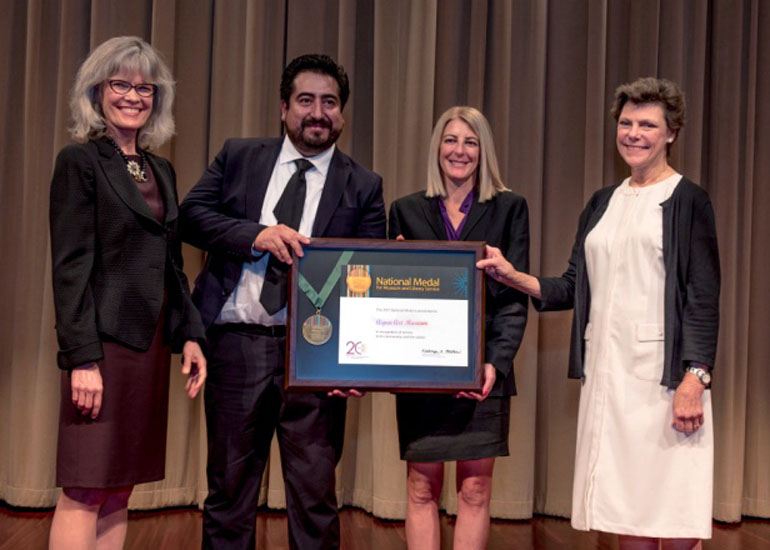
(507, 308)
(72, 218)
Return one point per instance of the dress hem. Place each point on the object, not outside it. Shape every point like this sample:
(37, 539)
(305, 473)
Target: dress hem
(620, 529)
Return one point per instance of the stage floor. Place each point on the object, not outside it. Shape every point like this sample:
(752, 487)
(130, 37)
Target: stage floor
(180, 529)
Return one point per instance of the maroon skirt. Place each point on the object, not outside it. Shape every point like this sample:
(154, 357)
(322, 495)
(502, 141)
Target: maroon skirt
(126, 443)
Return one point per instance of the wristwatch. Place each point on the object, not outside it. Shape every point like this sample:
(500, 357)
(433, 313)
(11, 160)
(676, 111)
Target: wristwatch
(703, 375)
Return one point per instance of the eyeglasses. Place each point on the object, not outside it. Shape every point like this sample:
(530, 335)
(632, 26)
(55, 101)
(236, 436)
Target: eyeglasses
(122, 87)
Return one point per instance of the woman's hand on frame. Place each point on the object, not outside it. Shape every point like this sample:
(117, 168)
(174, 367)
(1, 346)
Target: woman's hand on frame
(490, 374)
(496, 266)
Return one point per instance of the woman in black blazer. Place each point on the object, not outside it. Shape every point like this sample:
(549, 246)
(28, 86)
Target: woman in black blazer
(465, 200)
(122, 300)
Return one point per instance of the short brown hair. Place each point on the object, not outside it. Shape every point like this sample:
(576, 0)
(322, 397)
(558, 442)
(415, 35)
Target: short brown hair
(653, 90)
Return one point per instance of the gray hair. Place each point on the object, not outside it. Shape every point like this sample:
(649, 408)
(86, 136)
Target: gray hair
(488, 175)
(122, 53)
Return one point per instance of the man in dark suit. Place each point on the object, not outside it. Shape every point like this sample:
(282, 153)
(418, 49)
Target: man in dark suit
(259, 200)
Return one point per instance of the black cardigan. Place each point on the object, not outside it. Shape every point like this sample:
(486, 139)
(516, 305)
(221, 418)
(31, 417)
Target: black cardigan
(691, 261)
(112, 260)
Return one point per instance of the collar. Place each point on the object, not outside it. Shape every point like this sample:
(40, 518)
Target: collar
(668, 183)
(320, 161)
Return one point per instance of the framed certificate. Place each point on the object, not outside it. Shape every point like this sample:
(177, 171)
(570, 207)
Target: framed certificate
(401, 316)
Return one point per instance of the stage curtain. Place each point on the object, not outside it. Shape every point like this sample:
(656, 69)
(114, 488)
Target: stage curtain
(543, 71)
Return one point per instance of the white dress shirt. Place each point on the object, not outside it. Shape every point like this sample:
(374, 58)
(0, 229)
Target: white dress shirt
(243, 305)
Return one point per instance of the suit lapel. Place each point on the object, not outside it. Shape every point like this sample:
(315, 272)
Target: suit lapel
(166, 189)
(334, 186)
(432, 214)
(258, 174)
(478, 209)
(120, 180)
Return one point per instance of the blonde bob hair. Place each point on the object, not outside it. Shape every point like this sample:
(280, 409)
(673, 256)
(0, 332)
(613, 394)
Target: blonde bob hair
(116, 55)
(488, 179)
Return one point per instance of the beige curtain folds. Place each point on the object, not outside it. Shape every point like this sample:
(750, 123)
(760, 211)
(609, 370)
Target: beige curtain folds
(543, 71)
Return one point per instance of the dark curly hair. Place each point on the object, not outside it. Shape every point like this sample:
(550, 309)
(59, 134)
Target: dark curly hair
(315, 63)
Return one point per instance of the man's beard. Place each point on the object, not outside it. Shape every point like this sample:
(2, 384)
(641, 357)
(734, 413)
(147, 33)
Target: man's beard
(305, 138)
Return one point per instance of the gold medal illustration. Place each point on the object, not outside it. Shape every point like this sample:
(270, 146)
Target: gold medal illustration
(317, 329)
(358, 280)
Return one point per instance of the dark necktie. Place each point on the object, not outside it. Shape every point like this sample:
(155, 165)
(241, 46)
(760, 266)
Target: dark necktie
(288, 211)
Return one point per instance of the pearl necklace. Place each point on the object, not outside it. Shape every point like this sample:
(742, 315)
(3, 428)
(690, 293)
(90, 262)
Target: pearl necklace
(137, 171)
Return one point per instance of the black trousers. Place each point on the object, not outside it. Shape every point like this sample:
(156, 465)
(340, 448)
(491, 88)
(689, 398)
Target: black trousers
(245, 405)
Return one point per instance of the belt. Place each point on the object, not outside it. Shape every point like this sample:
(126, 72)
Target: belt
(275, 331)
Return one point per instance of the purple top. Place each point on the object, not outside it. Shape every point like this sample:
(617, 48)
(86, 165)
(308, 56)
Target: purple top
(453, 234)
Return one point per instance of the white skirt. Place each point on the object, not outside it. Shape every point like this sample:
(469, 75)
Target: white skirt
(634, 473)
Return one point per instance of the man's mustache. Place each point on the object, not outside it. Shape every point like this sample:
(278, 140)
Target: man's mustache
(323, 122)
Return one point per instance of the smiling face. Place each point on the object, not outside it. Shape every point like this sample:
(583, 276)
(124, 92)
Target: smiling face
(643, 135)
(459, 153)
(313, 116)
(125, 114)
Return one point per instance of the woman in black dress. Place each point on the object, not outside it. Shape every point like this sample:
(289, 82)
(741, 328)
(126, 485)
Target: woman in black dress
(122, 300)
(465, 200)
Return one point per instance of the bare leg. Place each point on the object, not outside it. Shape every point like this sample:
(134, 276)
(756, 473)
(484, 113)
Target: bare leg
(474, 491)
(74, 522)
(423, 488)
(113, 520)
(681, 544)
(628, 542)
(90, 519)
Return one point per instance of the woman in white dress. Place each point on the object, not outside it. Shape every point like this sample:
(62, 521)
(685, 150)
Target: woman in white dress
(643, 279)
